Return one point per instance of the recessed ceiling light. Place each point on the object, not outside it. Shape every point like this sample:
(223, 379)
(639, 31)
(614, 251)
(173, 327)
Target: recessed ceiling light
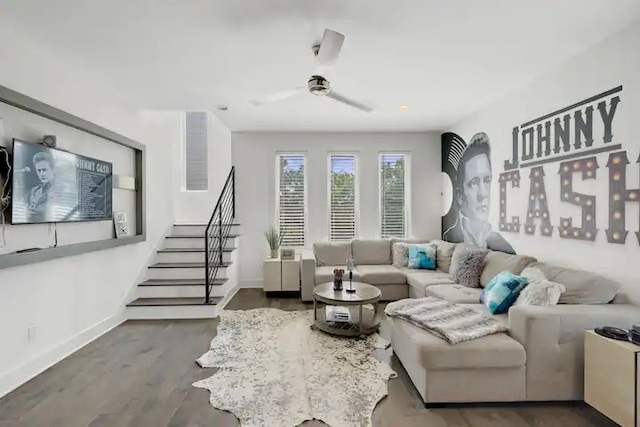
(404, 108)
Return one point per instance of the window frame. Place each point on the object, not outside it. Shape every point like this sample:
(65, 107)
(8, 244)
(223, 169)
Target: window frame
(356, 199)
(407, 192)
(278, 172)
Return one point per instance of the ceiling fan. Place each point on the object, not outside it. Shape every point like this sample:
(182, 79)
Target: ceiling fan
(326, 54)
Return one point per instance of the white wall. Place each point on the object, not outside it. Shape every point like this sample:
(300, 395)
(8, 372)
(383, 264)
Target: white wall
(197, 206)
(72, 300)
(611, 63)
(166, 128)
(254, 156)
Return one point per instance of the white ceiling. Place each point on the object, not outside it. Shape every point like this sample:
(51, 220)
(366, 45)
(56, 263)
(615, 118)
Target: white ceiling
(446, 59)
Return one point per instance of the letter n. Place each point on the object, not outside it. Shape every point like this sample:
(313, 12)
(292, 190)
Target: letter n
(538, 206)
(588, 168)
(514, 178)
(619, 195)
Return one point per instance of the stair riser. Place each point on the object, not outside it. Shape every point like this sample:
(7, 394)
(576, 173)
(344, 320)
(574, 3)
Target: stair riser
(172, 291)
(173, 312)
(194, 243)
(182, 273)
(197, 230)
(187, 257)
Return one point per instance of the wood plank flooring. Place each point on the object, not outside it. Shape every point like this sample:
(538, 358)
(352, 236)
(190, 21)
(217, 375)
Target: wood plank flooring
(140, 375)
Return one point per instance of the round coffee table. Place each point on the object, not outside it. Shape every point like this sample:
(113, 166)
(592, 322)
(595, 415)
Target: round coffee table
(362, 317)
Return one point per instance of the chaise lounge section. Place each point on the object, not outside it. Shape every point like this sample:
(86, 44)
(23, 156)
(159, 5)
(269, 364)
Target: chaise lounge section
(539, 358)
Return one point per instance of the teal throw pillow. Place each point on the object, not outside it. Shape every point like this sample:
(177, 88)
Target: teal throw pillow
(422, 256)
(502, 291)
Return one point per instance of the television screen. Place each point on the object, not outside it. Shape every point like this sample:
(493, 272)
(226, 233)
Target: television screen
(51, 185)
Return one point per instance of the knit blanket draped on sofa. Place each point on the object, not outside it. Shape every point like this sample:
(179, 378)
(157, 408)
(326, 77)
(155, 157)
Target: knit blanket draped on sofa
(449, 321)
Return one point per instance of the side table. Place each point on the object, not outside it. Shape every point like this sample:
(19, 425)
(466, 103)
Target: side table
(611, 378)
(281, 275)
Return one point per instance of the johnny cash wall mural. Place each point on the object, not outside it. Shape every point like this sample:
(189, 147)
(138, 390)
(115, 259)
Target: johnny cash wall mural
(565, 175)
(469, 170)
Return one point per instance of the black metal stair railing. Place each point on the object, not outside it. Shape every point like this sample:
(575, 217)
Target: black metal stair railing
(218, 231)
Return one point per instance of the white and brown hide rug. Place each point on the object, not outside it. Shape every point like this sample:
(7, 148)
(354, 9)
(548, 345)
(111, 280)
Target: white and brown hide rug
(275, 371)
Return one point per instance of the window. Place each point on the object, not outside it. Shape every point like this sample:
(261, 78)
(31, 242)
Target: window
(195, 151)
(291, 199)
(393, 195)
(342, 196)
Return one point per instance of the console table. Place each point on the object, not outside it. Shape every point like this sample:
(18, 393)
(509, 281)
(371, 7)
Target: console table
(611, 378)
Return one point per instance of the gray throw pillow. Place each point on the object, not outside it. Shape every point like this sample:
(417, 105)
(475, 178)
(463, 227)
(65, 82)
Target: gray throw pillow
(400, 254)
(467, 263)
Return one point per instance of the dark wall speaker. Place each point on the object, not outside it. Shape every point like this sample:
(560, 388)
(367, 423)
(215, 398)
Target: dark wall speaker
(49, 141)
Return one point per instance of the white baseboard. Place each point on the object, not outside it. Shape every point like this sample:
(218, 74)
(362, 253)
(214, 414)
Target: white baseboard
(13, 379)
(230, 294)
(250, 283)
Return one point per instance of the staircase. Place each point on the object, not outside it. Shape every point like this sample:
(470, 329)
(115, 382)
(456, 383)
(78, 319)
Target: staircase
(195, 273)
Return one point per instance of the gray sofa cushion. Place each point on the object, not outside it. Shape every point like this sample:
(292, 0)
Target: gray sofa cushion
(492, 351)
(444, 252)
(582, 287)
(454, 293)
(332, 253)
(419, 280)
(497, 262)
(371, 251)
(380, 275)
(324, 274)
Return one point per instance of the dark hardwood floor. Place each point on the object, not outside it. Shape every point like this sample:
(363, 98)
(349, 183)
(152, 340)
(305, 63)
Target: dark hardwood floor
(140, 375)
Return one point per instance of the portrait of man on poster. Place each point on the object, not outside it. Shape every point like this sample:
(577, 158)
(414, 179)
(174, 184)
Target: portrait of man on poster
(472, 196)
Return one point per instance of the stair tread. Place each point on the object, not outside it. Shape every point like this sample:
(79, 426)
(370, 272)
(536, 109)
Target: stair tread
(180, 282)
(196, 236)
(192, 250)
(186, 265)
(168, 302)
(195, 224)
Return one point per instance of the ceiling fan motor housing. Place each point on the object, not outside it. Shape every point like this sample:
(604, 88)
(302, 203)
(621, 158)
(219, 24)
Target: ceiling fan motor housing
(318, 85)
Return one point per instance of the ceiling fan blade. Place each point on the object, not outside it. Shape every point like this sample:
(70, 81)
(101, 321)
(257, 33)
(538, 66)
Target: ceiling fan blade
(330, 47)
(279, 96)
(348, 101)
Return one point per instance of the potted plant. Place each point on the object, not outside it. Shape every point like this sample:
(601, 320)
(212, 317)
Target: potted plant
(273, 239)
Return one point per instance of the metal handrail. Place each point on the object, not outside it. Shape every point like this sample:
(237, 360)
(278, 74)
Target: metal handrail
(217, 232)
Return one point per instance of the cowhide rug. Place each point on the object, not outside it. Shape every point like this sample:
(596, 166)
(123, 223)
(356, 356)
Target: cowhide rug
(274, 370)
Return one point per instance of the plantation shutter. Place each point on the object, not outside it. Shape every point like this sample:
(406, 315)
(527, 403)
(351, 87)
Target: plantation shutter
(196, 151)
(291, 199)
(342, 197)
(393, 218)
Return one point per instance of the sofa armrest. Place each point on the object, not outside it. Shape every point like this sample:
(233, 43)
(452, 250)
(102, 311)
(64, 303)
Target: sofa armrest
(308, 273)
(553, 337)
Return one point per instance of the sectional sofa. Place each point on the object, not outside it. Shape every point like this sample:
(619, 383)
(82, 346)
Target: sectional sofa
(540, 358)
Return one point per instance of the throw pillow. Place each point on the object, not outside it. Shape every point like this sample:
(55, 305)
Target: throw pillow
(539, 291)
(467, 263)
(422, 256)
(400, 254)
(502, 291)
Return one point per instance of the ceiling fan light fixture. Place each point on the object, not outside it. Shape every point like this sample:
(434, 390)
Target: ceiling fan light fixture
(318, 85)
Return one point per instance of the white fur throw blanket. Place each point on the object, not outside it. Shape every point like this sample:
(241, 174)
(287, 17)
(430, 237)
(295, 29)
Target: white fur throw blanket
(451, 322)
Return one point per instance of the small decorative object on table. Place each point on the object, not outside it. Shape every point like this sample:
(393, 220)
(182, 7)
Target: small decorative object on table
(287, 253)
(120, 224)
(337, 279)
(274, 239)
(350, 289)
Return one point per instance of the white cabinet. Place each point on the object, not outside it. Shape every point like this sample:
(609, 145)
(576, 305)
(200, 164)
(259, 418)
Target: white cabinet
(281, 274)
(611, 378)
